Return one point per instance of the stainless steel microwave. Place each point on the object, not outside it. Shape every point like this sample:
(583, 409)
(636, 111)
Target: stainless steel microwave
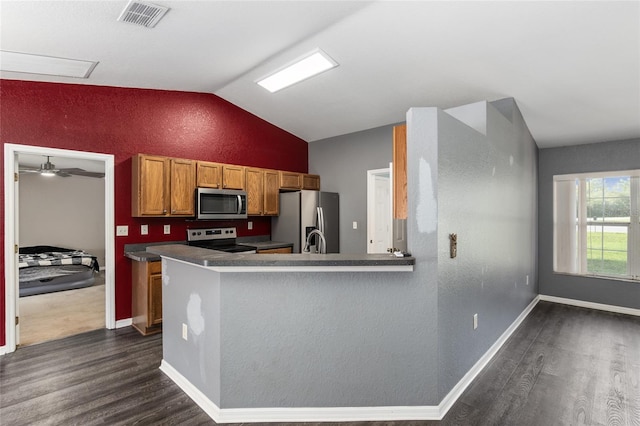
(213, 204)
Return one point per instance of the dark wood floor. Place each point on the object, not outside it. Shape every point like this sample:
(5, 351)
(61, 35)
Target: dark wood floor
(564, 365)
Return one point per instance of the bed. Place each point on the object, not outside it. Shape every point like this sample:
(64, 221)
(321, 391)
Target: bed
(45, 269)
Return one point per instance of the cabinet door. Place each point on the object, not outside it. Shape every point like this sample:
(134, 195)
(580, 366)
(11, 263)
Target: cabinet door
(183, 186)
(255, 191)
(233, 177)
(271, 193)
(150, 185)
(155, 299)
(311, 182)
(400, 172)
(276, 250)
(208, 175)
(290, 180)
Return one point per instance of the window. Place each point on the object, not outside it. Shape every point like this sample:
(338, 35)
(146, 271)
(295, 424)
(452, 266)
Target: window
(597, 224)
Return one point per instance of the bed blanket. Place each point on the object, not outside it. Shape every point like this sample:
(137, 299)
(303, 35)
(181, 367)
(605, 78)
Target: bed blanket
(52, 258)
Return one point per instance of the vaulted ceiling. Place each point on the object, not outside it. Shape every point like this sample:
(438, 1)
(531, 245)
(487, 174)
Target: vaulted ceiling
(573, 67)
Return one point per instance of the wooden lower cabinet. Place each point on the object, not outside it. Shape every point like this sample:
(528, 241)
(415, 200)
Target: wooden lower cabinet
(146, 297)
(276, 250)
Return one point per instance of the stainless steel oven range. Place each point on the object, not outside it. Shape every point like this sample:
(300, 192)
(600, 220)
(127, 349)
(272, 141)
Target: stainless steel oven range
(222, 239)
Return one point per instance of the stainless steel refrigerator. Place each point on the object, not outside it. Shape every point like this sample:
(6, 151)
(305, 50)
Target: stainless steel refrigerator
(301, 212)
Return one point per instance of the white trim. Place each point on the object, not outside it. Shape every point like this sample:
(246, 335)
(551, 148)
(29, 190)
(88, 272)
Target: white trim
(610, 173)
(296, 414)
(453, 395)
(124, 323)
(4, 350)
(10, 150)
(591, 305)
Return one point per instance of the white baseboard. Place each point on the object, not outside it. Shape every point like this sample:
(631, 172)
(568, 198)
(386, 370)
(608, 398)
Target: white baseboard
(343, 414)
(591, 305)
(4, 350)
(448, 401)
(298, 414)
(124, 322)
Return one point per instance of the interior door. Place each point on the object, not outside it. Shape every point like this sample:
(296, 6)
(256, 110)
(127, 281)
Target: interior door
(379, 211)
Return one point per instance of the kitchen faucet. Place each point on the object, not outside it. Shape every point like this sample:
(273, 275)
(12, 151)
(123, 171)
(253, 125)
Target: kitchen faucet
(321, 247)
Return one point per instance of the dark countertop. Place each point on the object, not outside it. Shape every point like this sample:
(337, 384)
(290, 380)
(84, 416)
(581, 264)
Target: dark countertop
(212, 258)
(142, 256)
(138, 252)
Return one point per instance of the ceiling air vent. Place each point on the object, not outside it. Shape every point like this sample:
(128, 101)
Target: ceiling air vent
(145, 14)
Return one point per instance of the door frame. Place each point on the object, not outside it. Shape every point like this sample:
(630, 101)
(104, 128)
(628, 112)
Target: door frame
(371, 176)
(11, 214)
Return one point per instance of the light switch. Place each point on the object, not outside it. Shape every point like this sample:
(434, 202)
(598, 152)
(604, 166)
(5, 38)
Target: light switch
(144, 229)
(167, 229)
(355, 225)
(122, 230)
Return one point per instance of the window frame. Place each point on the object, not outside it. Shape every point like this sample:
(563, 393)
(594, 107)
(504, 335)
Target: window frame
(571, 224)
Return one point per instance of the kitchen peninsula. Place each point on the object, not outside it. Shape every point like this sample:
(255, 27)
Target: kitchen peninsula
(262, 336)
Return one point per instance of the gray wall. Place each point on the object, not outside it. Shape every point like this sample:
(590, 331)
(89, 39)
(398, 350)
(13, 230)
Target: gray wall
(340, 339)
(598, 157)
(484, 189)
(321, 339)
(342, 162)
(64, 212)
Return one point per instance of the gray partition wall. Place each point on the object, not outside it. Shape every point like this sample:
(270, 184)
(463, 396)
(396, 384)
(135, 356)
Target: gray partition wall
(598, 157)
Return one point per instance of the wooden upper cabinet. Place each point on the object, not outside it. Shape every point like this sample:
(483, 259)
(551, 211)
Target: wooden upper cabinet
(311, 182)
(400, 171)
(233, 177)
(162, 186)
(208, 175)
(255, 191)
(262, 192)
(183, 186)
(271, 193)
(290, 180)
(150, 185)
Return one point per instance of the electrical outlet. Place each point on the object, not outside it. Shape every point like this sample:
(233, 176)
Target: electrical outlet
(185, 331)
(249, 225)
(122, 230)
(167, 229)
(144, 229)
(355, 225)
(475, 321)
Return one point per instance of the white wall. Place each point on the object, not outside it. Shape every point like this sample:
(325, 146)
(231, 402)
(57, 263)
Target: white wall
(64, 212)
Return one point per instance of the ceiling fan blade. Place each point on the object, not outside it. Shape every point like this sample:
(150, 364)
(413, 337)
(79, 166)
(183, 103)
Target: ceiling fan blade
(25, 170)
(62, 174)
(81, 172)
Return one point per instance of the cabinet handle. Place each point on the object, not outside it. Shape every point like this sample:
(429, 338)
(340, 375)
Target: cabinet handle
(164, 212)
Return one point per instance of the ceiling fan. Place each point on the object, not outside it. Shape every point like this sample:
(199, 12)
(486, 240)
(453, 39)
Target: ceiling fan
(49, 169)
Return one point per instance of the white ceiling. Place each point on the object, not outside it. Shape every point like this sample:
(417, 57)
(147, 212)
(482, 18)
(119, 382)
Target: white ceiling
(573, 67)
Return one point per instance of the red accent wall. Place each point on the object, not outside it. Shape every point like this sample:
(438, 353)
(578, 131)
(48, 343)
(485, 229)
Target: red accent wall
(124, 122)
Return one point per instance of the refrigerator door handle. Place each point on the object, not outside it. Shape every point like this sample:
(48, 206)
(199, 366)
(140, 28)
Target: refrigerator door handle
(321, 219)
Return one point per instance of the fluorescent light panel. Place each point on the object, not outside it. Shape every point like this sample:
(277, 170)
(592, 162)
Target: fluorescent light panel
(312, 64)
(47, 65)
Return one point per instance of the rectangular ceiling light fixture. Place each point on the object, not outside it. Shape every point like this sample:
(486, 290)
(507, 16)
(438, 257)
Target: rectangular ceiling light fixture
(311, 64)
(47, 65)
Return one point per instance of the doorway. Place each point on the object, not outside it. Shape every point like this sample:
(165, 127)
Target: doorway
(379, 211)
(12, 240)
